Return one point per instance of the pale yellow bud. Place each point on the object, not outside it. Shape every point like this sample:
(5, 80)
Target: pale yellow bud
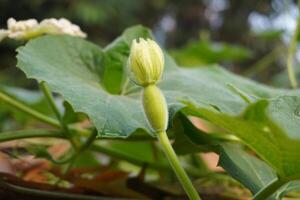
(155, 108)
(146, 61)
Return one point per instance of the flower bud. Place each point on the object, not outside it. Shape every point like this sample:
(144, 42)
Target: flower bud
(155, 108)
(146, 61)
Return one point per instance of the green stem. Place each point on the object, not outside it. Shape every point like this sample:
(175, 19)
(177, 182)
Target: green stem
(37, 115)
(20, 106)
(290, 57)
(135, 161)
(15, 135)
(51, 101)
(124, 87)
(182, 176)
(270, 189)
(123, 156)
(36, 133)
(263, 63)
(85, 146)
(71, 159)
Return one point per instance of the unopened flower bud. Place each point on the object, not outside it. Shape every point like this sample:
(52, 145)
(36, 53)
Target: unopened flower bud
(146, 61)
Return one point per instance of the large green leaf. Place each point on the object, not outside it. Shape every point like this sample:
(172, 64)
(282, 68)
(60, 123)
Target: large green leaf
(70, 67)
(270, 128)
(74, 68)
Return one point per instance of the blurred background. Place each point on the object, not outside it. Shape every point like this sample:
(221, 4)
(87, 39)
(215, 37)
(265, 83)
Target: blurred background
(247, 37)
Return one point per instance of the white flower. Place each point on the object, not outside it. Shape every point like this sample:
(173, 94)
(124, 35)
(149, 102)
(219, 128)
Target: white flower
(61, 26)
(21, 25)
(27, 29)
(21, 29)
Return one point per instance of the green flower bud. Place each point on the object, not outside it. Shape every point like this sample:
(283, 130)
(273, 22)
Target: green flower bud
(146, 61)
(155, 108)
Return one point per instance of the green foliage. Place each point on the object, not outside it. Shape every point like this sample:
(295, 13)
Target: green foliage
(270, 34)
(246, 168)
(94, 81)
(206, 52)
(89, 91)
(267, 125)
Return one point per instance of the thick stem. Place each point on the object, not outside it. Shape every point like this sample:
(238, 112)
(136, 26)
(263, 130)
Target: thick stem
(270, 189)
(290, 57)
(179, 171)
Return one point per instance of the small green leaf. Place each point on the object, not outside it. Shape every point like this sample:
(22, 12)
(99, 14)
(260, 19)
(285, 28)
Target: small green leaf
(247, 169)
(189, 139)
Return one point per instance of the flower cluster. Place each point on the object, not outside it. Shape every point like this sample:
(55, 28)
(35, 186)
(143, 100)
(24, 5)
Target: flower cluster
(27, 29)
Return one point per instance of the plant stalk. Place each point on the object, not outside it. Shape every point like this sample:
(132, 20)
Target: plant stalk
(48, 94)
(37, 115)
(174, 162)
(7, 99)
(290, 57)
(23, 134)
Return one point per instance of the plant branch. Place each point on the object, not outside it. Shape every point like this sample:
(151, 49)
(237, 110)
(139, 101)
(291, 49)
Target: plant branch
(182, 176)
(37, 115)
(20, 106)
(23, 134)
(50, 100)
(130, 159)
(263, 63)
(290, 57)
(48, 94)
